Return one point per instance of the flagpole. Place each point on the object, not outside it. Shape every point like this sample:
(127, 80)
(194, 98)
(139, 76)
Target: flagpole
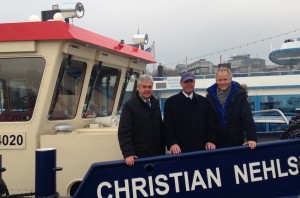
(153, 48)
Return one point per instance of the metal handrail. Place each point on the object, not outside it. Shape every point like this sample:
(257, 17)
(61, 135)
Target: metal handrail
(273, 110)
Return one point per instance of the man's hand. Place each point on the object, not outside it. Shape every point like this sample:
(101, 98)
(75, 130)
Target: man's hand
(175, 149)
(210, 146)
(130, 160)
(251, 144)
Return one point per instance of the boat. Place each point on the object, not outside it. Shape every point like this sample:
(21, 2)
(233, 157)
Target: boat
(62, 88)
(270, 170)
(288, 54)
(55, 79)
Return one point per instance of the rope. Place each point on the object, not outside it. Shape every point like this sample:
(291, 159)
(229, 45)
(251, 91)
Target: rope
(5, 194)
(27, 195)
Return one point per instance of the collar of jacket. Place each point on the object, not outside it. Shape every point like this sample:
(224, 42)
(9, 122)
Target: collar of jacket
(183, 97)
(212, 90)
(153, 100)
(235, 86)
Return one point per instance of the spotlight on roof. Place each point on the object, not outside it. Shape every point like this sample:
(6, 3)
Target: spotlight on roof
(71, 10)
(140, 39)
(66, 11)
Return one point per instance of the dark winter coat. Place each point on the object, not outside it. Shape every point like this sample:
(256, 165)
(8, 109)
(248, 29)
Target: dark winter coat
(188, 123)
(140, 130)
(293, 129)
(237, 120)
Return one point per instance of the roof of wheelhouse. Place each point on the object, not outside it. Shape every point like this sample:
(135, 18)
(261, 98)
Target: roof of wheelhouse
(59, 30)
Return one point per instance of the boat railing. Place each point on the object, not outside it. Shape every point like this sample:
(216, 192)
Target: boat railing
(281, 119)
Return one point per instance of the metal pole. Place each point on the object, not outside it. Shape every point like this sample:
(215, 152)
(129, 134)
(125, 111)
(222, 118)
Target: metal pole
(0, 166)
(153, 53)
(185, 63)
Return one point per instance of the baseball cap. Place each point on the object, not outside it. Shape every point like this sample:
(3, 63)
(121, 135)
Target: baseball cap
(187, 76)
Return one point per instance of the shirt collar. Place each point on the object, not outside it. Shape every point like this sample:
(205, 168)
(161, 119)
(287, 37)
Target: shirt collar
(144, 99)
(188, 96)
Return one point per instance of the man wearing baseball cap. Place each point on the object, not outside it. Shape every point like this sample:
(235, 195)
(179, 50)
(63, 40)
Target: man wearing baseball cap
(188, 119)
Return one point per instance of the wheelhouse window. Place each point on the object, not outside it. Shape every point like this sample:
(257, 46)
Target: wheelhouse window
(20, 80)
(65, 100)
(102, 92)
(128, 90)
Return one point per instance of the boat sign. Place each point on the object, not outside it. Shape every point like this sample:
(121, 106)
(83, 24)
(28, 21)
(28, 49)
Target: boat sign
(12, 140)
(270, 170)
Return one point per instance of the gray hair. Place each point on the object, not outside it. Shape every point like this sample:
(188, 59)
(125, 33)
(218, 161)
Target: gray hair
(144, 77)
(221, 69)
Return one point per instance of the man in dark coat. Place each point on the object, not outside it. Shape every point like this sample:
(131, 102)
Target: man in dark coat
(232, 111)
(140, 130)
(188, 119)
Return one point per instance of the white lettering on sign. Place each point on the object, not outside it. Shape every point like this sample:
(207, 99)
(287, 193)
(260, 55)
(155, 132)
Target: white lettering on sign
(140, 188)
(259, 171)
(192, 180)
(292, 162)
(175, 176)
(162, 183)
(118, 189)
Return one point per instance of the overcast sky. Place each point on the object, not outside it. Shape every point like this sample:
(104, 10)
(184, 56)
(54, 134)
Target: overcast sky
(182, 29)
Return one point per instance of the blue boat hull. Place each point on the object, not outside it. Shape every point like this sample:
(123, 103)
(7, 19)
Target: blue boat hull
(270, 170)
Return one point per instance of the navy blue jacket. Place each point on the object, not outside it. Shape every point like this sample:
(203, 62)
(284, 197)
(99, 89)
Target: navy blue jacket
(235, 122)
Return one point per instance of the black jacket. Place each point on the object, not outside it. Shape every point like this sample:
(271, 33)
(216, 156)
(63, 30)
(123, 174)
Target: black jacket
(238, 123)
(140, 130)
(188, 123)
